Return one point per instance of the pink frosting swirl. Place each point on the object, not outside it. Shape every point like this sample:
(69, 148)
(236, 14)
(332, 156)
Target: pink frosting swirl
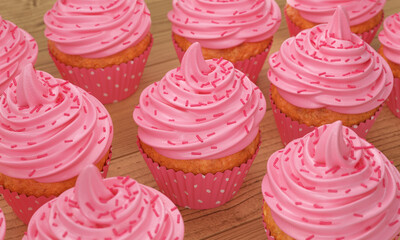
(329, 67)
(95, 29)
(204, 109)
(321, 11)
(332, 184)
(2, 225)
(50, 129)
(389, 38)
(17, 48)
(223, 24)
(113, 208)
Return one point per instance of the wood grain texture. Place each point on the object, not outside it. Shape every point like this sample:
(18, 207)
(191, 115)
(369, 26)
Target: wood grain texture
(239, 218)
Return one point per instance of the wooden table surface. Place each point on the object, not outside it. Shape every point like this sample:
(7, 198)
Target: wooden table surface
(241, 217)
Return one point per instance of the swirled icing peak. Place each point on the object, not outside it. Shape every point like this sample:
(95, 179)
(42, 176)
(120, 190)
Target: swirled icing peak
(95, 29)
(50, 129)
(321, 11)
(113, 208)
(390, 39)
(17, 48)
(332, 184)
(205, 109)
(329, 67)
(2, 225)
(223, 24)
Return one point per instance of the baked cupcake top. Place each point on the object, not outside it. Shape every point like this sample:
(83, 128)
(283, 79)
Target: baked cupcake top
(332, 183)
(330, 67)
(205, 109)
(321, 11)
(389, 38)
(95, 29)
(17, 48)
(49, 128)
(112, 208)
(2, 225)
(219, 24)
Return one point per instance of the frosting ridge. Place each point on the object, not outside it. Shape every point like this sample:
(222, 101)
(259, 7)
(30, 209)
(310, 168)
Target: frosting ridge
(389, 38)
(205, 109)
(327, 67)
(321, 11)
(352, 197)
(18, 48)
(95, 29)
(224, 24)
(113, 208)
(50, 129)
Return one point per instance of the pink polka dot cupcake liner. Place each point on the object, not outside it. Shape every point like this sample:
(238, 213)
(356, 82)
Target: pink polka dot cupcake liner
(2, 225)
(393, 100)
(251, 67)
(366, 36)
(25, 206)
(290, 129)
(110, 84)
(198, 191)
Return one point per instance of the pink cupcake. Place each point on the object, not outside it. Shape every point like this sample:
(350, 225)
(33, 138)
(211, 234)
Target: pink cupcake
(331, 184)
(365, 16)
(112, 208)
(390, 51)
(238, 31)
(2, 225)
(50, 130)
(325, 74)
(101, 46)
(198, 130)
(17, 48)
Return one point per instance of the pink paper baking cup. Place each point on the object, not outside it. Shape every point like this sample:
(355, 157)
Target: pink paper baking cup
(290, 129)
(198, 191)
(366, 36)
(25, 206)
(393, 100)
(251, 67)
(110, 84)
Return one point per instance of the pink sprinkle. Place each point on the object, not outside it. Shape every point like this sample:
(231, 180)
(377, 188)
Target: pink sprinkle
(268, 194)
(33, 172)
(279, 207)
(90, 206)
(196, 153)
(393, 223)
(317, 206)
(310, 237)
(358, 215)
(363, 185)
(325, 223)
(199, 138)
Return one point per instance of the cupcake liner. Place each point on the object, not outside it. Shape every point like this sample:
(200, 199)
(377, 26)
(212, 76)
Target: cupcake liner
(367, 36)
(110, 84)
(198, 191)
(25, 206)
(269, 237)
(251, 67)
(393, 100)
(290, 129)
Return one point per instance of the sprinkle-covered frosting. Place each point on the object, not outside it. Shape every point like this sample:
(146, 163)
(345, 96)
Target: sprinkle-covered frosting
(204, 109)
(220, 24)
(329, 67)
(95, 29)
(2, 225)
(332, 184)
(321, 11)
(390, 39)
(113, 208)
(50, 129)
(17, 48)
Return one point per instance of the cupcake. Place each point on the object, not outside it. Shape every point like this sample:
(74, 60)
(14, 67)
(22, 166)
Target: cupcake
(2, 225)
(198, 130)
(331, 184)
(101, 46)
(365, 16)
(390, 51)
(325, 74)
(17, 48)
(112, 208)
(238, 31)
(50, 130)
